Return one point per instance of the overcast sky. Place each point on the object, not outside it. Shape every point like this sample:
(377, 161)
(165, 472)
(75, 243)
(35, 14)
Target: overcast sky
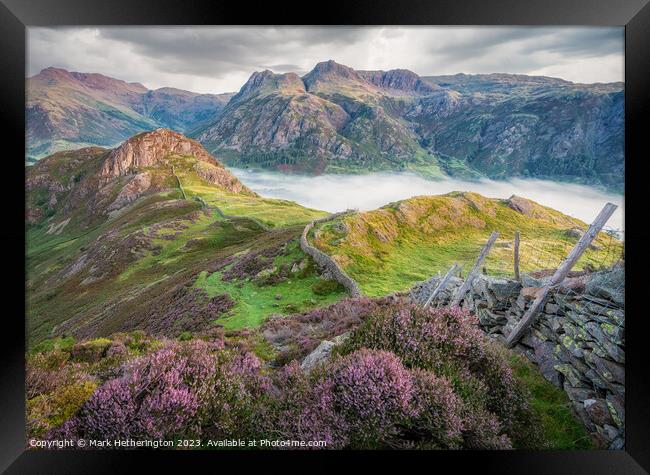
(220, 59)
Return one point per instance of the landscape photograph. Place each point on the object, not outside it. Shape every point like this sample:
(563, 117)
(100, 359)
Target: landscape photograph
(325, 238)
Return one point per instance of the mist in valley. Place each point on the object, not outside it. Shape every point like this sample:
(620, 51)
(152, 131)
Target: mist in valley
(370, 191)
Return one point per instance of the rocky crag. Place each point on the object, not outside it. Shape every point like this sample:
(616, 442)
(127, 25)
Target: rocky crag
(578, 342)
(93, 183)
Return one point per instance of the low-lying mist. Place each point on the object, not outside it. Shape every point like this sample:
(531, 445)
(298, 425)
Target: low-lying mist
(373, 190)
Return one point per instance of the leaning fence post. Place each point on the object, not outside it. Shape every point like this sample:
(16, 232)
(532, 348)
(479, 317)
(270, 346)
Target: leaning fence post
(560, 274)
(470, 277)
(441, 286)
(517, 277)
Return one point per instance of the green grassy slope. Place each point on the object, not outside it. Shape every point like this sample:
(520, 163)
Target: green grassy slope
(389, 249)
(137, 268)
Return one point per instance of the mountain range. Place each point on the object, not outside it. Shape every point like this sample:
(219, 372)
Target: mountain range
(336, 119)
(67, 110)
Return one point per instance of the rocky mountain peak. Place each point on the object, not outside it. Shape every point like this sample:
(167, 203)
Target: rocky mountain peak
(149, 149)
(329, 70)
(268, 81)
(257, 79)
(51, 72)
(52, 77)
(397, 79)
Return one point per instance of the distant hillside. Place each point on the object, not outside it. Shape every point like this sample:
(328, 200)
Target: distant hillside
(529, 126)
(330, 120)
(336, 119)
(68, 110)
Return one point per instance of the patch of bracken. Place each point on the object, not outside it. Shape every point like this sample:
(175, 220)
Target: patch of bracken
(181, 309)
(252, 263)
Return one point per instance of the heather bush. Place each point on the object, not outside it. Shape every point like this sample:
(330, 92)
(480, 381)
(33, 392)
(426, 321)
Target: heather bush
(352, 402)
(366, 399)
(152, 399)
(233, 396)
(183, 389)
(435, 339)
(437, 420)
(372, 391)
(301, 410)
(407, 377)
(298, 335)
(55, 388)
(482, 430)
(447, 342)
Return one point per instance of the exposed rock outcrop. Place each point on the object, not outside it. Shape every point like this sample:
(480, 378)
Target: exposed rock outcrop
(135, 188)
(398, 80)
(322, 352)
(149, 149)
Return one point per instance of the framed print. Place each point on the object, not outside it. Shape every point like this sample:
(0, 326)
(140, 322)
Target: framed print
(379, 232)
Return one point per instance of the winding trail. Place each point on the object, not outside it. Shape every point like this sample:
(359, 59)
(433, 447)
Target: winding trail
(180, 185)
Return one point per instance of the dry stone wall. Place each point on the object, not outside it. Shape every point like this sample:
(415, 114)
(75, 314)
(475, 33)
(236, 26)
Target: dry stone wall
(325, 262)
(578, 342)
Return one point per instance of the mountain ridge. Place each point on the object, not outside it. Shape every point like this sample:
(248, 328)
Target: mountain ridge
(336, 119)
(67, 109)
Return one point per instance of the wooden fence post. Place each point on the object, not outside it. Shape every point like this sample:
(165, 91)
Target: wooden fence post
(560, 274)
(517, 276)
(470, 277)
(441, 286)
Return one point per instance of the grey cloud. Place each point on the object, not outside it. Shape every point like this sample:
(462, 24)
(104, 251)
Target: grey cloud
(585, 42)
(526, 47)
(577, 41)
(213, 51)
(218, 59)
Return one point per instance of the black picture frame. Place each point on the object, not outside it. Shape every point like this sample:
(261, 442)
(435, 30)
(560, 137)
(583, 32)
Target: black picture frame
(16, 15)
